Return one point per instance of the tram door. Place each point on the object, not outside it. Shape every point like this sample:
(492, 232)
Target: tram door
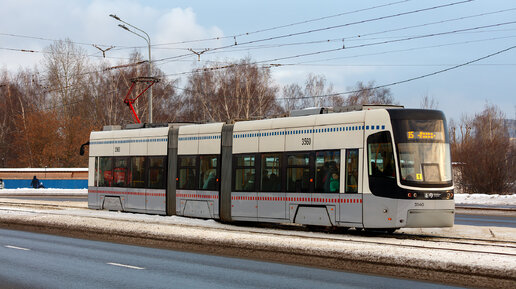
(351, 198)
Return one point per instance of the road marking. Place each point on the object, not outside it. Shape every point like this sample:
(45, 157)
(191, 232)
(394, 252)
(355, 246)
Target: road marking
(126, 266)
(17, 248)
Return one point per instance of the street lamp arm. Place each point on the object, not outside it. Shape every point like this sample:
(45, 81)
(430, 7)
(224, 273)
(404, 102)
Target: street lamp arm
(135, 33)
(130, 25)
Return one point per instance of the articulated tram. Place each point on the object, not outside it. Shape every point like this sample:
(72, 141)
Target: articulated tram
(373, 168)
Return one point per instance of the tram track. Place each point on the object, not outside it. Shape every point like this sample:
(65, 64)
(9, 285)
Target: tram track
(419, 256)
(444, 243)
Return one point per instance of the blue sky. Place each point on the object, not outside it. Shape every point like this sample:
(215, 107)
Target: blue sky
(388, 50)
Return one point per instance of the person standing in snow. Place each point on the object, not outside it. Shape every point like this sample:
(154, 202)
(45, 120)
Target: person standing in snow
(35, 182)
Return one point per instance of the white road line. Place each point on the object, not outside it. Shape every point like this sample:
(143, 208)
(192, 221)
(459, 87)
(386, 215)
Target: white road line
(17, 248)
(126, 266)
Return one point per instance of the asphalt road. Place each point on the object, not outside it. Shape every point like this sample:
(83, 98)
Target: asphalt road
(481, 220)
(30, 260)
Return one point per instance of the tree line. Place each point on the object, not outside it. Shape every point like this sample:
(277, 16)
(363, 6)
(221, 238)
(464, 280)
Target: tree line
(45, 115)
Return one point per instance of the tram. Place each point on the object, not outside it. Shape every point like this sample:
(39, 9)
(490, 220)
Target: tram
(372, 167)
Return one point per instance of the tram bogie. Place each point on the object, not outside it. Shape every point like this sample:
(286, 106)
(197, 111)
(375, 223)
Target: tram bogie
(374, 169)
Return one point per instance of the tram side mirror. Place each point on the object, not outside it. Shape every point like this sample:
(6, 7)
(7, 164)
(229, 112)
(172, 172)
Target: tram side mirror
(81, 151)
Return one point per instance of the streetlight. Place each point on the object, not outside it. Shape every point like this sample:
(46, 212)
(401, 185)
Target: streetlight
(147, 38)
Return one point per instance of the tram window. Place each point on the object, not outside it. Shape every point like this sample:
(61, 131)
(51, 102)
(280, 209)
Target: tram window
(137, 173)
(208, 173)
(105, 172)
(298, 173)
(271, 173)
(352, 171)
(187, 173)
(327, 168)
(381, 157)
(120, 172)
(157, 172)
(245, 173)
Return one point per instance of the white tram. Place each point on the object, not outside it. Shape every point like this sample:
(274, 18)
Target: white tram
(378, 168)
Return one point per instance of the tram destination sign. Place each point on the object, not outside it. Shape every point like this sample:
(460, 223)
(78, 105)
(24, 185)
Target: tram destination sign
(424, 135)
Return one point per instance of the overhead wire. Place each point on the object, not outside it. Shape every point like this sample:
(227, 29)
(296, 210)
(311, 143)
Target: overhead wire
(327, 28)
(413, 78)
(156, 46)
(286, 25)
(271, 61)
(363, 37)
(332, 27)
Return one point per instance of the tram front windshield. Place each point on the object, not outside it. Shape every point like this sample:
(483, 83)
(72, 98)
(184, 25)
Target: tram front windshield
(423, 152)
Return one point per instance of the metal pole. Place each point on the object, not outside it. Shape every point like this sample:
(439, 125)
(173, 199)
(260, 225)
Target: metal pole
(150, 92)
(150, 58)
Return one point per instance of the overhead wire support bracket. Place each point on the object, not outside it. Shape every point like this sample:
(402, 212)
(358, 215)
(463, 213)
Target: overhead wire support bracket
(198, 53)
(129, 101)
(103, 50)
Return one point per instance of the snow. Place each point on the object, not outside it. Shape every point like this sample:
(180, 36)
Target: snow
(433, 255)
(460, 199)
(46, 192)
(485, 200)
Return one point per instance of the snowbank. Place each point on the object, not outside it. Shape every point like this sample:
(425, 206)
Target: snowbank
(45, 192)
(485, 200)
(460, 199)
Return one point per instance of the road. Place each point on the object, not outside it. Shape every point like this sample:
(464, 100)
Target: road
(481, 220)
(30, 260)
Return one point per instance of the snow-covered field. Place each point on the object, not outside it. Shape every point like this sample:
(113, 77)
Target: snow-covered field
(460, 199)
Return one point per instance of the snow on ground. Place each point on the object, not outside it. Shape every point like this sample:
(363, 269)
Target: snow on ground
(48, 192)
(460, 199)
(435, 255)
(485, 200)
(399, 250)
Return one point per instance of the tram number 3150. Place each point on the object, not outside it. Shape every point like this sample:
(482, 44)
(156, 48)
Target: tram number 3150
(306, 141)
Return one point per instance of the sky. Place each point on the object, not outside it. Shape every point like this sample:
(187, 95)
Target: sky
(460, 53)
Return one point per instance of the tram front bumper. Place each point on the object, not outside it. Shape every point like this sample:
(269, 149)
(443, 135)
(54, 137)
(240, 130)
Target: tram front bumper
(430, 218)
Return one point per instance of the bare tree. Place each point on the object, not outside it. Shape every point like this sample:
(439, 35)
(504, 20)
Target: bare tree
(319, 93)
(242, 90)
(482, 147)
(369, 94)
(66, 66)
(428, 102)
(292, 97)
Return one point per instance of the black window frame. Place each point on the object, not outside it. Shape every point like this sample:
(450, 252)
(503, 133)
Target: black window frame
(327, 174)
(217, 173)
(281, 170)
(144, 173)
(236, 167)
(381, 185)
(126, 173)
(164, 172)
(194, 167)
(310, 167)
(111, 159)
(349, 173)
